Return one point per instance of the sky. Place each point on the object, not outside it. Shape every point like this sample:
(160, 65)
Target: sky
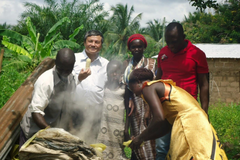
(10, 10)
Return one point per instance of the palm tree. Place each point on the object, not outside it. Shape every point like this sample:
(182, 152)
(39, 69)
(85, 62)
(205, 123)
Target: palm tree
(122, 26)
(90, 14)
(43, 17)
(154, 34)
(5, 26)
(156, 29)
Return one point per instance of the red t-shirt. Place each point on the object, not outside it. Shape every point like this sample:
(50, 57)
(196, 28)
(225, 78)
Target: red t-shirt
(183, 67)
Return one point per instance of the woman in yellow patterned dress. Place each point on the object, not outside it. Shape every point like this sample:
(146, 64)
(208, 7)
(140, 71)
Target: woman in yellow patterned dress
(193, 137)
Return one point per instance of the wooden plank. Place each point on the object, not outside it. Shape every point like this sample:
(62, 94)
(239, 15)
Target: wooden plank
(10, 143)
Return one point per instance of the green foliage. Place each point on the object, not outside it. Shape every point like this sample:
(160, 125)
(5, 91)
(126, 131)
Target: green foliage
(153, 47)
(156, 29)
(90, 13)
(19, 62)
(4, 26)
(203, 4)
(225, 120)
(221, 27)
(31, 48)
(116, 29)
(10, 81)
(76, 31)
(122, 27)
(154, 35)
(15, 48)
(128, 152)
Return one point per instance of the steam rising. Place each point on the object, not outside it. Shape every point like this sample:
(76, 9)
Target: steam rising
(78, 119)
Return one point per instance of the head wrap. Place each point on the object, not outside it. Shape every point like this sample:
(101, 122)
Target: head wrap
(134, 37)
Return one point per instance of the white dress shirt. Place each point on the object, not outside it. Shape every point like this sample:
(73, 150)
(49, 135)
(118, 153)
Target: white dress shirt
(90, 91)
(49, 98)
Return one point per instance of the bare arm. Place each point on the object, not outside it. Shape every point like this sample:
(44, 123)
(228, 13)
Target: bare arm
(159, 126)
(203, 80)
(128, 100)
(159, 73)
(39, 120)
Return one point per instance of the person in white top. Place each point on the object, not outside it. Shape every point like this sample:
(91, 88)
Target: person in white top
(90, 89)
(51, 97)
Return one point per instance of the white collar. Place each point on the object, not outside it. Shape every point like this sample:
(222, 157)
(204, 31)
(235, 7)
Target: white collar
(85, 57)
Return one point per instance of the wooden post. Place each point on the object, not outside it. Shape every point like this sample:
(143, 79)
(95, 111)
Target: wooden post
(1, 59)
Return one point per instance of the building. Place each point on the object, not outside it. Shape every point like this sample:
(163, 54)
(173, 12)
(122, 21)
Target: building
(224, 68)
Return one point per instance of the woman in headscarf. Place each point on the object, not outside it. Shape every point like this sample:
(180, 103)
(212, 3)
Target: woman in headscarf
(139, 115)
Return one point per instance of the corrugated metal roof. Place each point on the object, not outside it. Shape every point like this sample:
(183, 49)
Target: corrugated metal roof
(12, 112)
(218, 50)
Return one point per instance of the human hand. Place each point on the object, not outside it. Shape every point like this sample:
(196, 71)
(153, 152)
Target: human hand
(131, 105)
(136, 142)
(84, 74)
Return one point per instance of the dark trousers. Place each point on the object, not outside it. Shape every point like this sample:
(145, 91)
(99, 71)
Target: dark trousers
(22, 138)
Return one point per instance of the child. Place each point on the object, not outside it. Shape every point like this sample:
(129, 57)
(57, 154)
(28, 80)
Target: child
(112, 123)
(192, 135)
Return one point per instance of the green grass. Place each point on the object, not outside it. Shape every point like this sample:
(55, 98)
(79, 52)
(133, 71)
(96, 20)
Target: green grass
(226, 121)
(10, 81)
(14, 73)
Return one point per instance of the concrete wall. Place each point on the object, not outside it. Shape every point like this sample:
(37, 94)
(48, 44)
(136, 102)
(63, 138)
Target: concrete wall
(224, 80)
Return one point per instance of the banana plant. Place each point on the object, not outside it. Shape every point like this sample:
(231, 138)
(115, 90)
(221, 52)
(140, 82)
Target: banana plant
(31, 48)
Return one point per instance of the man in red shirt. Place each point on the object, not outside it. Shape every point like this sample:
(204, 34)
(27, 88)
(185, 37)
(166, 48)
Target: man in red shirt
(186, 65)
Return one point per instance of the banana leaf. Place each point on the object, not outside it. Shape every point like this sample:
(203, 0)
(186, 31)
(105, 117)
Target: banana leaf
(51, 41)
(24, 58)
(45, 52)
(76, 31)
(28, 47)
(54, 29)
(16, 36)
(31, 30)
(16, 48)
(65, 44)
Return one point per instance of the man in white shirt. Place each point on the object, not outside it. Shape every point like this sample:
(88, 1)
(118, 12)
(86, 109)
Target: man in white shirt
(52, 93)
(90, 89)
